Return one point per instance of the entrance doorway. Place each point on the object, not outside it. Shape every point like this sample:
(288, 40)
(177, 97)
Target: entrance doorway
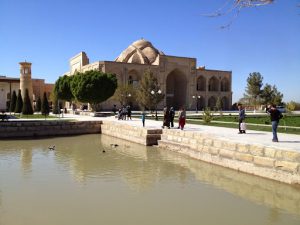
(176, 89)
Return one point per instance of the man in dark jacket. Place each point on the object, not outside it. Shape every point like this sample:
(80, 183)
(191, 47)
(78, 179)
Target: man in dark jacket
(275, 117)
(242, 116)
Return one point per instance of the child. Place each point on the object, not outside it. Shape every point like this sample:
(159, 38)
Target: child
(143, 118)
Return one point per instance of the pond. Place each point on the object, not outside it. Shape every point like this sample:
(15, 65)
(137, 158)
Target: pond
(77, 183)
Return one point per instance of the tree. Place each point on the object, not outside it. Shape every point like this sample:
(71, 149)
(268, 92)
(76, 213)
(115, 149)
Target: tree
(27, 106)
(270, 95)
(253, 89)
(93, 87)
(148, 95)
(56, 107)
(45, 105)
(291, 106)
(267, 94)
(38, 106)
(13, 102)
(218, 104)
(19, 103)
(125, 93)
(62, 88)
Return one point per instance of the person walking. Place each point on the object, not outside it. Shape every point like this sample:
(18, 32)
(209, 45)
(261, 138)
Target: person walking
(181, 118)
(129, 112)
(166, 122)
(275, 116)
(143, 117)
(242, 116)
(172, 115)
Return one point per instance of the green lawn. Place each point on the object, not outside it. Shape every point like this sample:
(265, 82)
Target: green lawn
(287, 120)
(249, 126)
(34, 116)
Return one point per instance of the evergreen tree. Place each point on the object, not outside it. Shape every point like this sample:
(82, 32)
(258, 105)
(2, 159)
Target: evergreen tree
(253, 89)
(27, 106)
(38, 105)
(45, 105)
(19, 103)
(13, 102)
(56, 107)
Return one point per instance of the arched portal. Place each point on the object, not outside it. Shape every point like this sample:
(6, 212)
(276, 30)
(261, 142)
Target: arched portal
(212, 102)
(176, 89)
(225, 105)
(201, 103)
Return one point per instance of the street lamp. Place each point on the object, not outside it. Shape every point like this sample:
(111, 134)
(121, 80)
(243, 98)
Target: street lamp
(196, 97)
(155, 94)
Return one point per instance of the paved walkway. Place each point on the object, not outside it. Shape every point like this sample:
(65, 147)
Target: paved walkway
(286, 141)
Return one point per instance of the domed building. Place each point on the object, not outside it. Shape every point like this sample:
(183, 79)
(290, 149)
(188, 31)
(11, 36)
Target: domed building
(182, 82)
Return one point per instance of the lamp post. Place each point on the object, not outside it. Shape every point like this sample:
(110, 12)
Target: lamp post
(155, 94)
(196, 97)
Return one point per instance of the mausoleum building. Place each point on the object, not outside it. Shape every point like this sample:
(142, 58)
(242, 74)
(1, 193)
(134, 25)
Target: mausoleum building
(182, 82)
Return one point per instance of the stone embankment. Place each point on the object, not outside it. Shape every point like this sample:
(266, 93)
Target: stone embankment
(277, 164)
(131, 133)
(20, 129)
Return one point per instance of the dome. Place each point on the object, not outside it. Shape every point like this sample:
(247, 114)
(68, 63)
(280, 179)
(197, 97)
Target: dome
(141, 52)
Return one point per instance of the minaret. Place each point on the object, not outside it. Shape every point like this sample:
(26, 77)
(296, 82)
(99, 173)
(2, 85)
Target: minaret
(25, 79)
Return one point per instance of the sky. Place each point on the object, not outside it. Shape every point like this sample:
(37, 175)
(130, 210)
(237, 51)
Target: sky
(48, 33)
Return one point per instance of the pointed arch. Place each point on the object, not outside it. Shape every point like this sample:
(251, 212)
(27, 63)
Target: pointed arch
(201, 84)
(225, 103)
(213, 84)
(133, 78)
(225, 84)
(212, 102)
(176, 87)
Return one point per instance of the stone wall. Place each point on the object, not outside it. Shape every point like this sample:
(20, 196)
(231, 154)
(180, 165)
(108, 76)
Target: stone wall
(18, 129)
(131, 133)
(277, 164)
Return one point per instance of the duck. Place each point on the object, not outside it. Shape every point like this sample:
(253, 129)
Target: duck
(51, 148)
(114, 145)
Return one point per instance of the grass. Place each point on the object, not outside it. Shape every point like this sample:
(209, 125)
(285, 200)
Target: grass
(254, 122)
(249, 126)
(287, 120)
(34, 116)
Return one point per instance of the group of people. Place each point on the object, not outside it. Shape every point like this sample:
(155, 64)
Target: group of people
(169, 115)
(124, 113)
(275, 116)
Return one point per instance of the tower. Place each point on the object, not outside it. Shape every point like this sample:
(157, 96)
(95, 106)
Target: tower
(25, 79)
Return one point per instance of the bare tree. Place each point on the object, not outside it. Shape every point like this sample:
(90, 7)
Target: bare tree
(234, 7)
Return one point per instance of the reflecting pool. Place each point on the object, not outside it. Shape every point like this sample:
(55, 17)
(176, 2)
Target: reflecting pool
(86, 180)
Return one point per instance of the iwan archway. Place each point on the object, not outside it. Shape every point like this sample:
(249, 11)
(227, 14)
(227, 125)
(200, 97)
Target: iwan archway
(176, 89)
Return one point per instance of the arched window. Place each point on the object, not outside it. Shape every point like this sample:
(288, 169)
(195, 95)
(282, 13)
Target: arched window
(133, 78)
(213, 84)
(225, 85)
(201, 84)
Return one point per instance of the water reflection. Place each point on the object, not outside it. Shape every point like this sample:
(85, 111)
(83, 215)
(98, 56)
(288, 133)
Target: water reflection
(129, 176)
(259, 190)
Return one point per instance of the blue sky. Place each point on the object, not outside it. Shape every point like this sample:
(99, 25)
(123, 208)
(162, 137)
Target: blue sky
(48, 33)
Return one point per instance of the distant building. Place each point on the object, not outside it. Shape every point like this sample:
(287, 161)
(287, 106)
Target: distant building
(179, 78)
(36, 87)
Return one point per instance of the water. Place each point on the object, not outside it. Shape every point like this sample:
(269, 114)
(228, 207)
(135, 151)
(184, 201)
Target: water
(130, 184)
